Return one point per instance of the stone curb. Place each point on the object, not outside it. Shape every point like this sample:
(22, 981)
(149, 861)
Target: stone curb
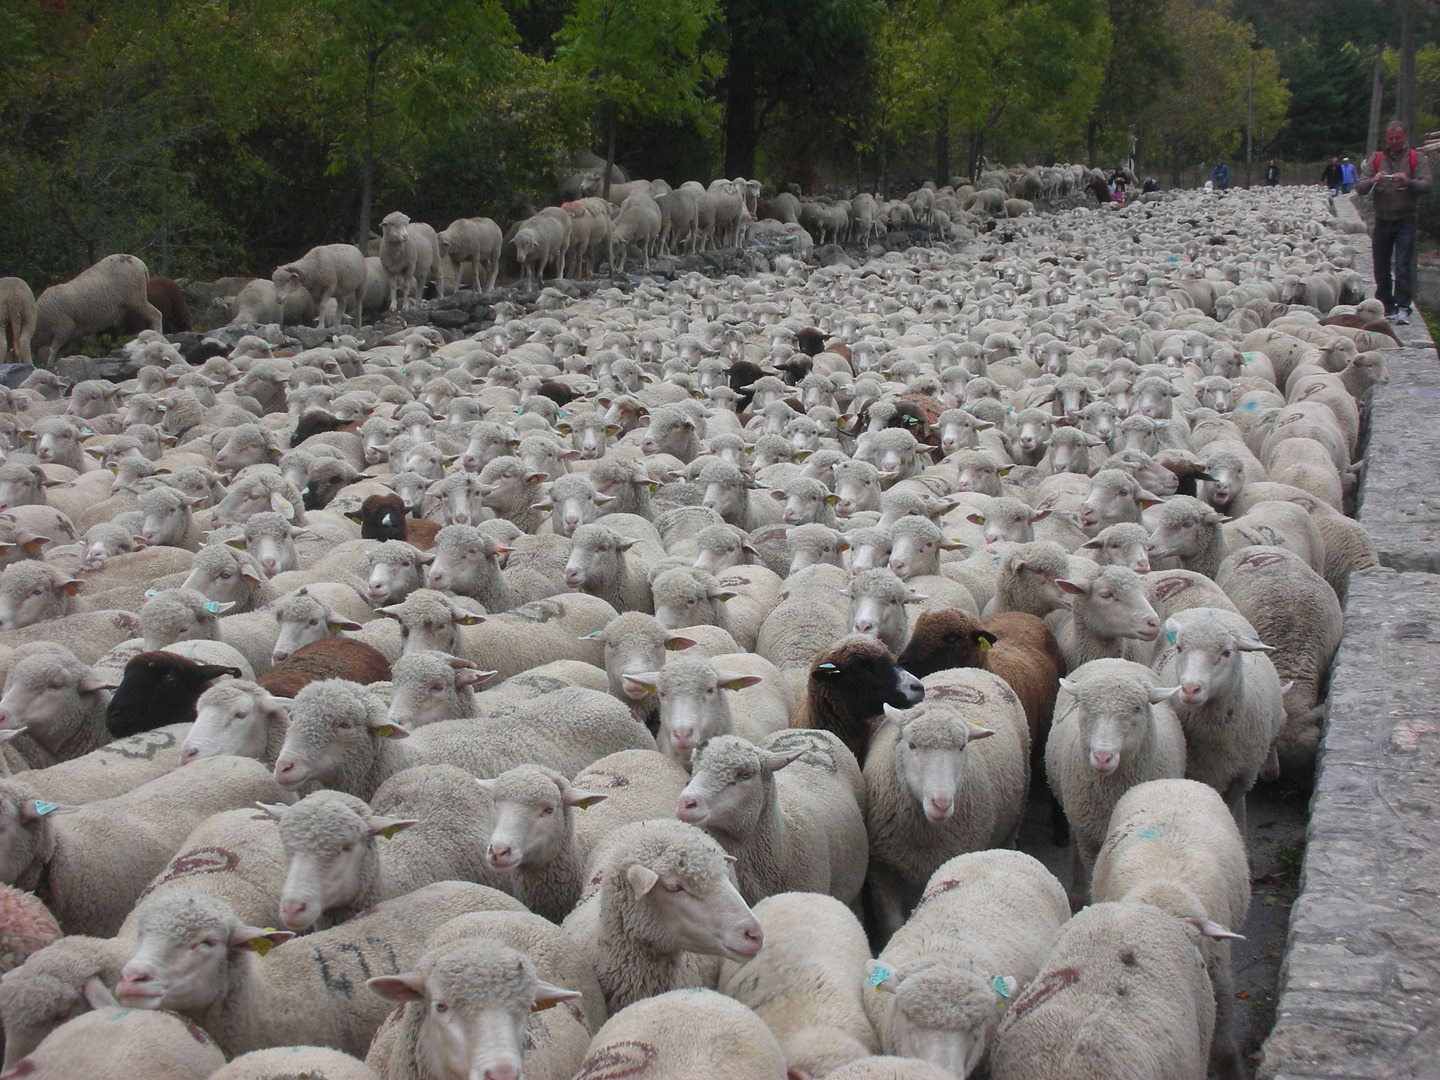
(1360, 986)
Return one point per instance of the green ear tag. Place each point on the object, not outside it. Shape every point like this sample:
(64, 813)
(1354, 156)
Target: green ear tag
(389, 831)
(1170, 636)
(385, 731)
(984, 645)
(879, 974)
(1004, 985)
(43, 808)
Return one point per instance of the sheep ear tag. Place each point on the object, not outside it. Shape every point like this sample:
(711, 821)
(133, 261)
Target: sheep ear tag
(151, 592)
(213, 606)
(983, 645)
(880, 974)
(1005, 986)
(384, 731)
(1170, 636)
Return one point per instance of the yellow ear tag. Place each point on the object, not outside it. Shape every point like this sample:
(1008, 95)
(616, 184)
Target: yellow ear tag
(389, 831)
(984, 645)
(385, 732)
(262, 945)
(334, 628)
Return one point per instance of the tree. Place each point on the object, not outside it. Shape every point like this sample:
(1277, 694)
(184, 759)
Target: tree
(639, 58)
(394, 75)
(1204, 115)
(1144, 61)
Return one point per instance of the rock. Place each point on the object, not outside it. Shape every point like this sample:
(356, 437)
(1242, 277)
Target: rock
(75, 368)
(449, 319)
(12, 375)
(312, 337)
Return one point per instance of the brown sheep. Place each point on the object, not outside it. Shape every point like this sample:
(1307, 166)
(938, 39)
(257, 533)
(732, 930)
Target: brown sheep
(330, 658)
(849, 685)
(386, 517)
(168, 299)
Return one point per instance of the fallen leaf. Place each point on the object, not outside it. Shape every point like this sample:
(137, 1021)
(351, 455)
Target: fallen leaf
(1265, 825)
(1242, 994)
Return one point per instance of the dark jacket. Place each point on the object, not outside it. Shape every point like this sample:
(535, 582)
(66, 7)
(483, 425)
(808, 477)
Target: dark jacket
(1392, 203)
(1331, 175)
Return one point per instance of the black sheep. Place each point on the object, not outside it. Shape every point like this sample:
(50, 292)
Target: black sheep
(159, 688)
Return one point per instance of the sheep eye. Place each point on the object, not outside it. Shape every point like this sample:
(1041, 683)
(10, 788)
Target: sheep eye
(314, 622)
(546, 811)
(58, 685)
(1226, 653)
(349, 847)
(225, 575)
(441, 1007)
(675, 888)
(911, 745)
(344, 725)
(744, 777)
(38, 592)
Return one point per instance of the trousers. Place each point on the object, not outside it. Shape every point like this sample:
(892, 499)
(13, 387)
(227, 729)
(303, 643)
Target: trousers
(1394, 239)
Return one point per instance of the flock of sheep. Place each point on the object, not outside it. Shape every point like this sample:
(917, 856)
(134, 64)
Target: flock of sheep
(595, 695)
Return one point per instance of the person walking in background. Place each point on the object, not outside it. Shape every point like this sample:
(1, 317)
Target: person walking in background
(1118, 184)
(1395, 179)
(1332, 176)
(1272, 174)
(1220, 176)
(1348, 176)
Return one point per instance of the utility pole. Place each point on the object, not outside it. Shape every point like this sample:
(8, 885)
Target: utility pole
(1405, 84)
(1249, 116)
(164, 186)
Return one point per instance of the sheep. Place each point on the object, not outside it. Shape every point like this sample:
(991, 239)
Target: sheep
(930, 800)
(635, 642)
(337, 865)
(336, 658)
(1114, 730)
(1295, 612)
(644, 940)
(329, 270)
(1109, 616)
(303, 617)
(806, 984)
(1280, 524)
(22, 484)
(539, 240)
(800, 831)
(532, 838)
(113, 1043)
(94, 300)
(34, 592)
(980, 935)
(1127, 970)
(489, 994)
(465, 562)
(1114, 497)
(17, 319)
(694, 709)
(175, 615)
(281, 1061)
(55, 440)
(884, 1067)
(55, 702)
(69, 854)
(877, 607)
(306, 993)
(1171, 844)
(728, 492)
(168, 521)
(1230, 703)
(565, 730)
(409, 254)
(246, 445)
(848, 686)
(598, 565)
(239, 718)
(1028, 581)
(427, 687)
(159, 688)
(473, 241)
(685, 1033)
(1124, 544)
(396, 570)
(255, 493)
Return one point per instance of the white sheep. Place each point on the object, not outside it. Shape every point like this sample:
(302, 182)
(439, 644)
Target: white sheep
(55, 702)
(1230, 703)
(114, 1043)
(476, 242)
(660, 908)
(17, 319)
(1109, 617)
(307, 993)
(981, 933)
(34, 593)
(1113, 729)
(329, 270)
(789, 828)
(637, 785)
(807, 984)
(943, 777)
(280, 1061)
(1127, 970)
(94, 300)
(1172, 844)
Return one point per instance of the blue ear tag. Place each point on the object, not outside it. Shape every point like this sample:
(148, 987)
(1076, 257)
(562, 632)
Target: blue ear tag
(1170, 636)
(1004, 986)
(213, 607)
(43, 808)
(879, 974)
(151, 592)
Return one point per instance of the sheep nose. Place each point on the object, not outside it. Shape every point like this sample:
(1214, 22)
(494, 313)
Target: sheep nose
(572, 577)
(939, 807)
(499, 854)
(462, 519)
(1102, 760)
(503, 1071)
(684, 738)
(864, 626)
(188, 755)
(896, 567)
(788, 517)
(294, 913)
(278, 657)
(1141, 566)
(688, 807)
(268, 565)
(435, 581)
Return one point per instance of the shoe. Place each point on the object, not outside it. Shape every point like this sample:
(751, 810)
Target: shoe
(1401, 317)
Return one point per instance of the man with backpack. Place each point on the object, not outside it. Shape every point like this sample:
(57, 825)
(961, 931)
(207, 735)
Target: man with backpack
(1395, 179)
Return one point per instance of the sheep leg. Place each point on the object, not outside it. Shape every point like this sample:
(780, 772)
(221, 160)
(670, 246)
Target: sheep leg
(1079, 877)
(1224, 1055)
(359, 299)
(885, 900)
(1059, 823)
(320, 303)
(152, 315)
(1235, 799)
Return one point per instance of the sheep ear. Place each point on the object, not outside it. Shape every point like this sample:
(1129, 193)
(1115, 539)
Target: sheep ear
(544, 504)
(88, 684)
(460, 617)
(573, 796)
(96, 994)
(249, 573)
(675, 642)
(1162, 693)
(735, 681)
(1148, 500)
(38, 809)
(391, 611)
(602, 499)
(387, 727)
(1252, 644)
(472, 677)
(776, 762)
(777, 495)
(1074, 588)
(975, 519)
(275, 810)
(258, 939)
(953, 545)
(826, 669)
(214, 671)
(282, 506)
(626, 543)
(723, 594)
(239, 542)
(893, 714)
(335, 623)
(389, 826)
(548, 996)
(1040, 515)
(984, 640)
(1215, 930)
(649, 681)
(977, 732)
(1092, 545)
(641, 878)
(70, 585)
(398, 988)
(1070, 686)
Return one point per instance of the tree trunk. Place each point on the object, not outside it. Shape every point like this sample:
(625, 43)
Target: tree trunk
(1092, 132)
(1405, 83)
(611, 118)
(367, 161)
(1377, 101)
(942, 149)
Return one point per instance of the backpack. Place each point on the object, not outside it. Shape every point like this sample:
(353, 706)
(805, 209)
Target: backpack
(1375, 166)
